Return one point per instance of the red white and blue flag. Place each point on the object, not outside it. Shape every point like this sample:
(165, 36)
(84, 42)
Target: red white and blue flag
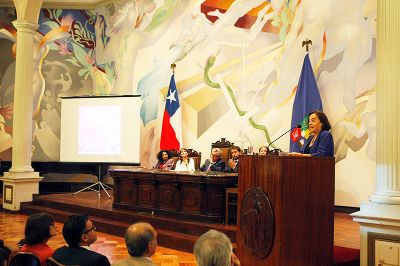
(171, 132)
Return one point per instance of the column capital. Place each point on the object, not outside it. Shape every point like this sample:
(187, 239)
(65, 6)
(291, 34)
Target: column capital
(25, 26)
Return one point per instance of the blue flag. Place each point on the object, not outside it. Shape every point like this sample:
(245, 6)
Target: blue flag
(307, 99)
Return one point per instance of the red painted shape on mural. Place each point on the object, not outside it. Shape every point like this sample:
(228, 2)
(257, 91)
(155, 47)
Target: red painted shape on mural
(244, 22)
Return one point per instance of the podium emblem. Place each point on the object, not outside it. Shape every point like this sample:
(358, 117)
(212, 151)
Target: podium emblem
(257, 223)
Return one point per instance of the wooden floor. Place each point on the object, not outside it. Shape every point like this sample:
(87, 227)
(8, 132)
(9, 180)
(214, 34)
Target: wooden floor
(12, 227)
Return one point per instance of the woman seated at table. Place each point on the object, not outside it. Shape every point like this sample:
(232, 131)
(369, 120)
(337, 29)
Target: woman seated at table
(320, 141)
(263, 150)
(184, 163)
(165, 162)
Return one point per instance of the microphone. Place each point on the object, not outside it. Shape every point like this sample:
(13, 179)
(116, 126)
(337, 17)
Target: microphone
(298, 126)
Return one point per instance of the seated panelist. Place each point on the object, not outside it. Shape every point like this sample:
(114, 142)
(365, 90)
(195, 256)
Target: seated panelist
(320, 142)
(263, 150)
(165, 162)
(215, 163)
(184, 163)
(233, 163)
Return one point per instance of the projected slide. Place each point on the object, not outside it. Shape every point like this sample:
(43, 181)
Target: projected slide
(99, 130)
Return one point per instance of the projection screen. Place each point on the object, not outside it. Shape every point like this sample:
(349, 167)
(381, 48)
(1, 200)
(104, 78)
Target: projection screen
(100, 129)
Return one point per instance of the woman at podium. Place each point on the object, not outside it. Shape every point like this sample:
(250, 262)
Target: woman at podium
(320, 142)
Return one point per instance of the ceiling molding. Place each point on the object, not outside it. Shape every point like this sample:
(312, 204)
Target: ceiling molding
(65, 4)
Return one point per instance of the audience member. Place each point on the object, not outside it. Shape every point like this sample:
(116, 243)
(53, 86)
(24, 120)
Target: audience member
(263, 150)
(39, 229)
(184, 163)
(5, 252)
(215, 163)
(233, 163)
(165, 162)
(214, 249)
(141, 242)
(79, 232)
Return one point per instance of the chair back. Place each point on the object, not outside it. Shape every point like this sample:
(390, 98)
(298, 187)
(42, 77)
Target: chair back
(196, 156)
(225, 147)
(52, 262)
(24, 259)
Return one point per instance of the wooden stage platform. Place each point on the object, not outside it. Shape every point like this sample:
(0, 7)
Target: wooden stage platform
(172, 232)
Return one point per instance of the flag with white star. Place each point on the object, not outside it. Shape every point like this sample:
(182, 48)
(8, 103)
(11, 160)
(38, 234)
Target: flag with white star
(171, 132)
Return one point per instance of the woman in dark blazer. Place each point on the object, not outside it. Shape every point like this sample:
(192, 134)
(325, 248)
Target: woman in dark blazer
(320, 142)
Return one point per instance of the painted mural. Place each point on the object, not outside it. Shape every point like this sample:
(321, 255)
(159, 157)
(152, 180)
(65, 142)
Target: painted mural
(238, 65)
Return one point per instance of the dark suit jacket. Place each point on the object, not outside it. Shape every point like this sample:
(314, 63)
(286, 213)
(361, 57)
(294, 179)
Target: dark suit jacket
(79, 256)
(234, 169)
(323, 145)
(218, 166)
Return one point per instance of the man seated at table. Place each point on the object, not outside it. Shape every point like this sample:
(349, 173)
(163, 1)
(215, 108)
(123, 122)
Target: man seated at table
(215, 163)
(233, 163)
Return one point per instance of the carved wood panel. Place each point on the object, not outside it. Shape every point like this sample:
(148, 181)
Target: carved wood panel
(127, 191)
(146, 194)
(191, 199)
(167, 196)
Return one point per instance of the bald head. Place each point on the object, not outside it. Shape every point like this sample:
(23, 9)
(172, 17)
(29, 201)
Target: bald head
(141, 240)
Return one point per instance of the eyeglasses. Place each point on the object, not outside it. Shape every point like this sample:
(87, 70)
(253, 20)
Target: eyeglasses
(87, 231)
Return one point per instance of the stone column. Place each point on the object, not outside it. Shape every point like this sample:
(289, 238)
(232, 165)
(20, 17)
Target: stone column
(21, 182)
(380, 217)
(388, 99)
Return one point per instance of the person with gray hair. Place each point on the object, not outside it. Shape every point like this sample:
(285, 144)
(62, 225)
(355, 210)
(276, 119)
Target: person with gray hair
(141, 242)
(214, 249)
(215, 163)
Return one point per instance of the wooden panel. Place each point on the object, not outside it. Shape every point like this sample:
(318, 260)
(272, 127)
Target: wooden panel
(191, 199)
(301, 191)
(167, 196)
(147, 195)
(127, 191)
(215, 201)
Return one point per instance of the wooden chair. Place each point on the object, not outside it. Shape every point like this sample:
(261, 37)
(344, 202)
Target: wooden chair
(24, 259)
(196, 156)
(225, 147)
(52, 262)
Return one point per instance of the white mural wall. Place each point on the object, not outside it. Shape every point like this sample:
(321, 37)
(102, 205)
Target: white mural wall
(238, 65)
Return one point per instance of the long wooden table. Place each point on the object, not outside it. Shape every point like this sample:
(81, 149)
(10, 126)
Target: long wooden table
(198, 196)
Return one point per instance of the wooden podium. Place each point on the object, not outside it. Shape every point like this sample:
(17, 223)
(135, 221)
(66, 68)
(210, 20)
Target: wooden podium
(285, 210)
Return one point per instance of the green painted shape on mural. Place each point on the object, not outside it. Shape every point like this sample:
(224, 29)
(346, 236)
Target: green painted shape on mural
(161, 15)
(207, 79)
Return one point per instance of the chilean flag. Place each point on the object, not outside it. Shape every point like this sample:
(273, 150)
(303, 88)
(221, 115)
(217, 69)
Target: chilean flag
(171, 132)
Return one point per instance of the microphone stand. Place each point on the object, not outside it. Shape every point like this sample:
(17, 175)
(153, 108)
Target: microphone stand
(274, 152)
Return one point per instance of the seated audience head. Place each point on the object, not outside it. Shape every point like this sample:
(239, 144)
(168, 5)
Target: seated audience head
(216, 154)
(79, 230)
(235, 152)
(183, 153)
(263, 150)
(39, 228)
(141, 240)
(317, 122)
(213, 249)
(163, 156)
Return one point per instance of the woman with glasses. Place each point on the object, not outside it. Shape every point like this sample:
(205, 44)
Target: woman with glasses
(39, 228)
